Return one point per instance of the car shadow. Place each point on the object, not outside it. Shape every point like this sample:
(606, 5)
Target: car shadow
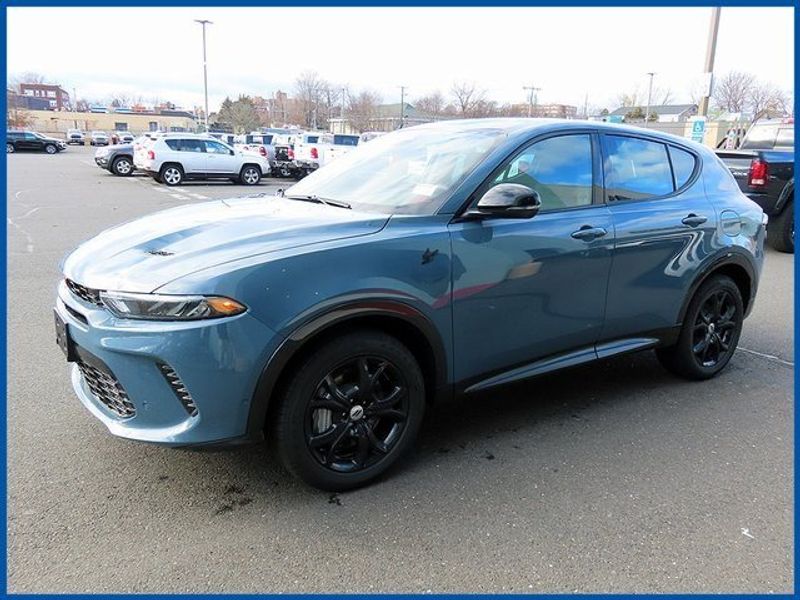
(465, 424)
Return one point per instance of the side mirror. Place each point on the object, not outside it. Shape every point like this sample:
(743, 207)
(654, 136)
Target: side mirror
(507, 201)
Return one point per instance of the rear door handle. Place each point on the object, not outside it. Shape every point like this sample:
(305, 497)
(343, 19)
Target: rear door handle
(693, 220)
(589, 233)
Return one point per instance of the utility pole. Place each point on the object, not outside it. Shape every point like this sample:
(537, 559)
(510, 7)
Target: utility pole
(711, 51)
(532, 98)
(586, 106)
(403, 89)
(344, 92)
(205, 22)
(649, 97)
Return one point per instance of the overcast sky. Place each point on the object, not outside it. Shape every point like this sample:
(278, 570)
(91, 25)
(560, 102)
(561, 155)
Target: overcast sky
(568, 52)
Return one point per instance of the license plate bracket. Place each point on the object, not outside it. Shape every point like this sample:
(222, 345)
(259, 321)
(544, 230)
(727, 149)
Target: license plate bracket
(63, 338)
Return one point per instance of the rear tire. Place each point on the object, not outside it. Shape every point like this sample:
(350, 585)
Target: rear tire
(710, 331)
(171, 175)
(780, 231)
(350, 411)
(250, 175)
(10, 149)
(122, 166)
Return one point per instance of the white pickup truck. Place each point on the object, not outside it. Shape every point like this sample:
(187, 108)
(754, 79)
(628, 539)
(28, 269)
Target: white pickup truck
(310, 155)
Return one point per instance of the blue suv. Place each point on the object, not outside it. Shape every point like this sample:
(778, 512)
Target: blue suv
(434, 261)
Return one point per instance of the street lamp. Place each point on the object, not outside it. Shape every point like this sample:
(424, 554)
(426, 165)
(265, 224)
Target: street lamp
(649, 96)
(205, 22)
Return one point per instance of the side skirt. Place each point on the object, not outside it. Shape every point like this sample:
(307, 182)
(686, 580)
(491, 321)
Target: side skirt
(572, 359)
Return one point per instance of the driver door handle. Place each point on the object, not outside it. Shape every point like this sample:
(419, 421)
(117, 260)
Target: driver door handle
(588, 233)
(693, 220)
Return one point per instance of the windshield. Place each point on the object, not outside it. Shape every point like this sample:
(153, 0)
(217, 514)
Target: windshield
(410, 171)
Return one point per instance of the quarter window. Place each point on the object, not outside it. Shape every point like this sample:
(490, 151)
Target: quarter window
(558, 168)
(682, 165)
(637, 169)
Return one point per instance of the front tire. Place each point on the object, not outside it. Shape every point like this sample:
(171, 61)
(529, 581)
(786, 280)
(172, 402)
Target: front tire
(10, 149)
(710, 331)
(50, 149)
(122, 166)
(351, 410)
(250, 175)
(780, 231)
(171, 175)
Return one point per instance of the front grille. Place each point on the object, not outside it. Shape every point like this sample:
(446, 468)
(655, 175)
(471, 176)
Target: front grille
(86, 294)
(179, 388)
(104, 386)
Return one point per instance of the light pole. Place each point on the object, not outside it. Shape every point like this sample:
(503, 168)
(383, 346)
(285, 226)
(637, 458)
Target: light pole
(403, 89)
(205, 22)
(531, 97)
(649, 97)
(711, 51)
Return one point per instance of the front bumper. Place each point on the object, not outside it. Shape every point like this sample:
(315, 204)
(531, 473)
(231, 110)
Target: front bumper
(218, 361)
(101, 161)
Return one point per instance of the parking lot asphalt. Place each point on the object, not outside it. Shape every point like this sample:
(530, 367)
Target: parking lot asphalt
(616, 477)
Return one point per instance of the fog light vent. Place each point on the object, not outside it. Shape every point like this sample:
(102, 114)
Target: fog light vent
(179, 388)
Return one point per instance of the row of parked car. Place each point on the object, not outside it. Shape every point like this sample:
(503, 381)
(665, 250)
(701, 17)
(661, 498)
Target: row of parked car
(297, 153)
(172, 158)
(98, 138)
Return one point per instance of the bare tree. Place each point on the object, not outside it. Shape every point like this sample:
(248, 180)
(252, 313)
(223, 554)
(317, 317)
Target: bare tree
(432, 104)
(629, 99)
(468, 98)
(362, 110)
(311, 92)
(766, 98)
(732, 91)
(27, 77)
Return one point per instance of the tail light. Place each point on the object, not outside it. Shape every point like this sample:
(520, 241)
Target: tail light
(759, 173)
(314, 153)
(262, 151)
(151, 155)
(290, 154)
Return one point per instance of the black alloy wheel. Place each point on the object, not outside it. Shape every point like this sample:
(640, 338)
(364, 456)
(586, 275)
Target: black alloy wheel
(351, 410)
(357, 414)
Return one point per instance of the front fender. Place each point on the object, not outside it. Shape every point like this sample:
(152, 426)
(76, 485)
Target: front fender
(310, 326)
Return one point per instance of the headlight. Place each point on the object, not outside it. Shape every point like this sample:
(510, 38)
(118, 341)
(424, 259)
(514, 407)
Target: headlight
(163, 307)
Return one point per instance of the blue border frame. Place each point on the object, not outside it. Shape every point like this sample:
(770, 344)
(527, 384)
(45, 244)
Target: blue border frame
(365, 3)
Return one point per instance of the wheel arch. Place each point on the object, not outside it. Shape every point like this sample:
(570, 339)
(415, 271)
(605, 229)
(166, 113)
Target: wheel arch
(251, 164)
(786, 196)
(400, 320)
(734, 265)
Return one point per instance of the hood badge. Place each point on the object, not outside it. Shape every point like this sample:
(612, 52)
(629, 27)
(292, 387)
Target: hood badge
(155, 252)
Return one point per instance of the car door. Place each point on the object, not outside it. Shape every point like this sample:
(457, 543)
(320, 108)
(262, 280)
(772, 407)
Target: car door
(29, 142)
(220, 159)
(191, 154)
(664, 226)
(524, 289)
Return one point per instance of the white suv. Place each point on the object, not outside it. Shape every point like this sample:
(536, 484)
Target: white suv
(175, 158)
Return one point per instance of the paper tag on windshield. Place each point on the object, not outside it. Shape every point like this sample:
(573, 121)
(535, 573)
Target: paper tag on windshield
(425, 189)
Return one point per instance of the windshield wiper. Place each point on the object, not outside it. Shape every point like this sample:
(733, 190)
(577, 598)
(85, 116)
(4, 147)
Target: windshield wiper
(319, 200)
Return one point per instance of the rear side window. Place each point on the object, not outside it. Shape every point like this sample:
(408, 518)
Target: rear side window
(186, 145)
(682, 165)
(636, 169)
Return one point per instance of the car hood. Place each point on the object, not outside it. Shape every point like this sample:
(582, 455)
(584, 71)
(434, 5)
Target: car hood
(145, 254)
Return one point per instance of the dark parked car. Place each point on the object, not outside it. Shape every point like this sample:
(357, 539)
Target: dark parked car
(440, 259)
(31, 141)
(763, 167)
(117, 159)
